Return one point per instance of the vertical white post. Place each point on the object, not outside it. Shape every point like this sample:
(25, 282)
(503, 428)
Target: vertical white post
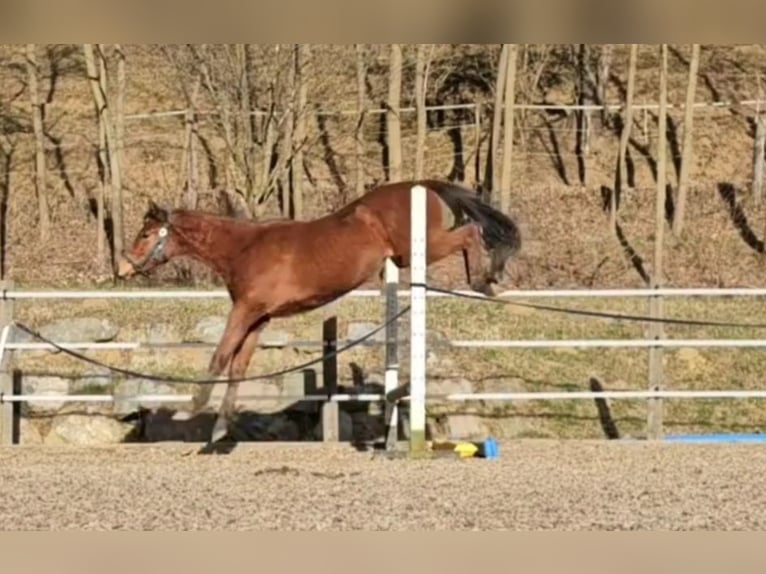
(418, 216)
(391, 380)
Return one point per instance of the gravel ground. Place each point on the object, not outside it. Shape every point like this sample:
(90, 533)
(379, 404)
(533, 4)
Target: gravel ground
(533, 485)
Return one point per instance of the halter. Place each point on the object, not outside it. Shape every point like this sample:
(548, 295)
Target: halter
(157, 253)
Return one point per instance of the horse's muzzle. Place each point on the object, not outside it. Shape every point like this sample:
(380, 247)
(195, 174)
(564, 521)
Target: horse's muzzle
(125, 268)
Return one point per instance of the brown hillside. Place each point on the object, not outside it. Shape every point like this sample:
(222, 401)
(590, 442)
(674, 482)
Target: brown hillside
(567, 241)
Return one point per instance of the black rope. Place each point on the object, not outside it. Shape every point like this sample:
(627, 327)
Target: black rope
(589, 313)
(171, 379)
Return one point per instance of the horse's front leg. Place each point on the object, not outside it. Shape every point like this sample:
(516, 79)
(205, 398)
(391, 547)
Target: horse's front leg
(241, 318)
(237, 370)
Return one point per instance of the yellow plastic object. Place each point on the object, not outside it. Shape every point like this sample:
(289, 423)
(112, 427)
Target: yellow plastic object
(466, 449)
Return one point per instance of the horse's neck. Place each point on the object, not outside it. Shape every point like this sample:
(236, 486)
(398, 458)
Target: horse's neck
(211, 239)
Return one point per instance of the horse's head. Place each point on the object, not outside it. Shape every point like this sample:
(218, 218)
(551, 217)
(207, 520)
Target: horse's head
(152, 246)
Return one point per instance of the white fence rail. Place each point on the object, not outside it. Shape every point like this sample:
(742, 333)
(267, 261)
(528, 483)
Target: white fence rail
(417, 396)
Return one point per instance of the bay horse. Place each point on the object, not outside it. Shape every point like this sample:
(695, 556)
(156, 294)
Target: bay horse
(281, 267)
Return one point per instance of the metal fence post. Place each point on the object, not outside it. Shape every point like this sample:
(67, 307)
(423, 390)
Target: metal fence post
(391, 380)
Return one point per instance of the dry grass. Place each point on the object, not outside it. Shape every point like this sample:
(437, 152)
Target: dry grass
(489, 369)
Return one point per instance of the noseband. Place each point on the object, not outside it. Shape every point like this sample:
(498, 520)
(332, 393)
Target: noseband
(157, 253)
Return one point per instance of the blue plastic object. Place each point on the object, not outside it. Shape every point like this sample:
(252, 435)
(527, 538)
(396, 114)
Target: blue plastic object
(722, 437)
(490, 449)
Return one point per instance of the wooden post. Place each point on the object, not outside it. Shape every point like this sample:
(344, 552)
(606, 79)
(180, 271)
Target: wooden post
(508, 113)
(391, 380)
(477, 136)
(7, 410)
(760, 140)
(656, 331)
(330, 415)
(393, 121)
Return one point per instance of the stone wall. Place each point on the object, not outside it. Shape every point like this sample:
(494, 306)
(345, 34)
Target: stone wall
(276, 414)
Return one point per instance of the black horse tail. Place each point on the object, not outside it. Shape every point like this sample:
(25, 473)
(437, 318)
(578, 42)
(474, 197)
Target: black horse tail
(501, 236)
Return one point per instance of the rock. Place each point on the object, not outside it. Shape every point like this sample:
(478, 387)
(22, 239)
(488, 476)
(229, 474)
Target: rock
(87, 430)
(449, 386)
(29, 434)
(358, 329)
(345, 426)
(90, 329)
(275, 338)
(125, 391)
(44, 386)
(246, 400)
(94, 381)
(162, 333)
(149, 387)
(208, 329)
(465, 427)
(16, 335)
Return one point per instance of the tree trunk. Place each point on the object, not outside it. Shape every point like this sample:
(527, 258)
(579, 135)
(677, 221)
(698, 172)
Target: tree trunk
(582, 135)
(43, 212)
(393, 122)
(287, 143)
(96, 82)
(361, 103)
(686, 153)
(247, 144)
(420, 106)
(508, 115)
(116, 154)
(493, 178)
(627, 122)
(604, 63)
(189, 164)
(302, 62)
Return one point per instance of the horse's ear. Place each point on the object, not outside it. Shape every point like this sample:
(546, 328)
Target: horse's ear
(156, 212)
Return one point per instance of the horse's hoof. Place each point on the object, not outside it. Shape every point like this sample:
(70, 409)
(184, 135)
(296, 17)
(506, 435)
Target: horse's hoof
(485, 288)
(220, 430)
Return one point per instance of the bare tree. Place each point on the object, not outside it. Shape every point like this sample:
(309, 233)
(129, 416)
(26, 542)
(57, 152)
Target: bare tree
(627, 122)
(36, 105)
(393, 122)
(421, 80)
(116, 153)
(508, 115)
(287, 144)
(361, 104)
(688, 143)
(604, 64)
(302, 59)
(97, 79)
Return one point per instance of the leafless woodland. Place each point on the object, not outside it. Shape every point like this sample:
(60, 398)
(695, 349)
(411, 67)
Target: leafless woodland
(566, 138)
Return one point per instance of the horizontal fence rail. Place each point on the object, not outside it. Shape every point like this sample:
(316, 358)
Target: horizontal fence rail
(332, 396)
(529, 293)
